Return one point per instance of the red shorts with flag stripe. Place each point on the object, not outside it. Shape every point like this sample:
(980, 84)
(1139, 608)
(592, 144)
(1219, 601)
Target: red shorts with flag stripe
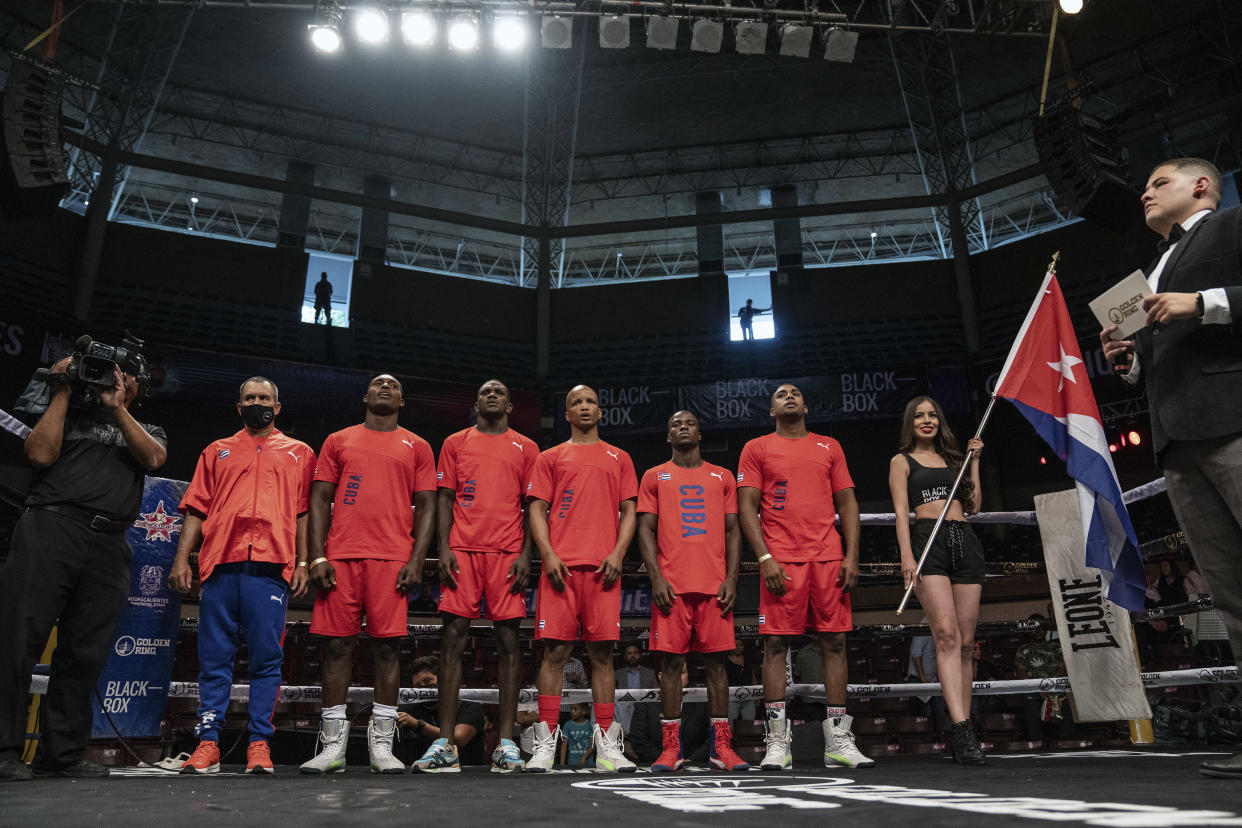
(694, 624)
(584, 611)
(483, 575)
(364, 586)
(812, 600)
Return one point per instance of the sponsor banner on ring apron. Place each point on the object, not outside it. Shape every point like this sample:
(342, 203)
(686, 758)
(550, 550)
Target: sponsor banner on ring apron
(133, 686)
(1096, 638)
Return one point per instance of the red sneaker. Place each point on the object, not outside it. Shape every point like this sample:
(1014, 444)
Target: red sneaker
(722, 754)
(205, 759)
(671, 759)
(258, 758)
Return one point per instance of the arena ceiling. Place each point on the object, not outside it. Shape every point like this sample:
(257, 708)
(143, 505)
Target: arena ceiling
(607, 147)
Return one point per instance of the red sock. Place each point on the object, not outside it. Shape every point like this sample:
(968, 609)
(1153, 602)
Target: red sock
(549, 710)
(603, 716)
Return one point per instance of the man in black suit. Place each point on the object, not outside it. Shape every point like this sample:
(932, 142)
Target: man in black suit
(1189, 360)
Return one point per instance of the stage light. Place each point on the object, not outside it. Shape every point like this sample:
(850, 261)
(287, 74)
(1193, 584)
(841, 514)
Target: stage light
(1135, 438)
(418, 28)
(1071, 6)
(796, 40)
(751, 37)
(1112, 447)
(325, 32)
(614, 31)
(874, 235)
(556, 32)
(841, 45)
(1043, 461)
(706, 36)
(662, 32)
(194, 199)
(371, 25)
(509, 32)
(463, 33)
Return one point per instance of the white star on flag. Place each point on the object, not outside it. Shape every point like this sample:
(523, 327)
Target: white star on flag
(1065, 367)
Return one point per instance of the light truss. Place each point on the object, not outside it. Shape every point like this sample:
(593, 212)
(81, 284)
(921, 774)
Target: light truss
(334, 229)
(1013, 18)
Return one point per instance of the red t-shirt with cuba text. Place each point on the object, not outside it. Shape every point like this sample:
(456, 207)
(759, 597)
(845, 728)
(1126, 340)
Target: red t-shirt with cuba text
(796, 479)
(376, 475)
(488, 474)
(690, 505)
(250, 491)
(584, 485)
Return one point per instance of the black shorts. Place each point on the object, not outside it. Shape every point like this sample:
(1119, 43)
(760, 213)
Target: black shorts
(956, 553)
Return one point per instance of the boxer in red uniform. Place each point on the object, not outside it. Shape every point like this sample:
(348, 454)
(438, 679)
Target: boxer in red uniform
(484, 558)
(366, 479)
(689, 539)
(785, 482)
(581, 511)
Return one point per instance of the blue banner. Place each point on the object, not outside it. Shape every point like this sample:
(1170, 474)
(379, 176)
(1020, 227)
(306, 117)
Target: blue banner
(133, 686)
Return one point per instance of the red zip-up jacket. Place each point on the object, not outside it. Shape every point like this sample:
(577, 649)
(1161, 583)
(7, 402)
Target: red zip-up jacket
(251, 491)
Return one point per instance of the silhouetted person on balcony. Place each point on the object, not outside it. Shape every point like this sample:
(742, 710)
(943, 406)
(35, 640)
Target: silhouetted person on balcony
(323, 298)
(746, 314)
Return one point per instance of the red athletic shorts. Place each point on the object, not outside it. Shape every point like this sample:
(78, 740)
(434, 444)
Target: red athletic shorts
(585, 611)
(692, 625)
(363, 587)
(812, 599)
(483, 575)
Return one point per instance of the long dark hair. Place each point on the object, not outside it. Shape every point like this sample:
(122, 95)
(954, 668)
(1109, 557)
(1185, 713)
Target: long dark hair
(944, 443)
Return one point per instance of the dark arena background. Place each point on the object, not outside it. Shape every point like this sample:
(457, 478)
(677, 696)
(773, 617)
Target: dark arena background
(589, 194)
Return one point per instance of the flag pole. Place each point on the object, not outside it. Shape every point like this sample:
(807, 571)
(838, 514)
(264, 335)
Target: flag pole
(948, 501)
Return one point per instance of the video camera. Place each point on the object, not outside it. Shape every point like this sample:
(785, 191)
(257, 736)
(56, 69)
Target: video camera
(93, 364)
(91, 371)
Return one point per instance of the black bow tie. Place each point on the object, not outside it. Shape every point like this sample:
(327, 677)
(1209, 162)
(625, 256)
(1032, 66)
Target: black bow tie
(1175, 235)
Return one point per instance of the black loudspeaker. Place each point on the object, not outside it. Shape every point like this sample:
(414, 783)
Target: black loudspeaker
(32, 175)
(710, 237)
(1084, 164)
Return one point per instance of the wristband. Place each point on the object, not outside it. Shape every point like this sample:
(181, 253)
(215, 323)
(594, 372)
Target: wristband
(317, 562)
(301, 563)
(1199, 304)
(765, 557)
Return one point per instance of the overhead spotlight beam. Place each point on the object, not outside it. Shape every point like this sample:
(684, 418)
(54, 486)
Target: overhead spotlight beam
(463, 33)
(418, 27)
(325, 31)
(371, 25)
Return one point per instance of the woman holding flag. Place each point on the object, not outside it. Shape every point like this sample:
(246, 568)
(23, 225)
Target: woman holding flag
(950, 582)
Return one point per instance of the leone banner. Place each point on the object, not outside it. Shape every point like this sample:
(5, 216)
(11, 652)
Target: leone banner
(1096, 640)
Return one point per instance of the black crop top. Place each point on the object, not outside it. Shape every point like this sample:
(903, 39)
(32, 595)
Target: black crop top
(928, 485)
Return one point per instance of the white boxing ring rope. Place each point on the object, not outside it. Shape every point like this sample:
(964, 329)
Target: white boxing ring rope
(409, 695)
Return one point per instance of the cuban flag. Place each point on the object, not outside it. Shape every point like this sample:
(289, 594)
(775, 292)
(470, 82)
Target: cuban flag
(1045, 378)
(664, 475)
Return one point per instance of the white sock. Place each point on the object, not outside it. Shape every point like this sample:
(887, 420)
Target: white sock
(383, 711)
(774, 710)
(336, 711)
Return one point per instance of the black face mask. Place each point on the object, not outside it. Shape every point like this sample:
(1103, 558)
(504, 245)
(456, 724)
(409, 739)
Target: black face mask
(257, 417)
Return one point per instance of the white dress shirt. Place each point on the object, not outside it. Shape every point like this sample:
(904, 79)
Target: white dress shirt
(1215, 300)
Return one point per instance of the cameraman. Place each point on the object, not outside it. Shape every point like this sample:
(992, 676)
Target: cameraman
(69, 562)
